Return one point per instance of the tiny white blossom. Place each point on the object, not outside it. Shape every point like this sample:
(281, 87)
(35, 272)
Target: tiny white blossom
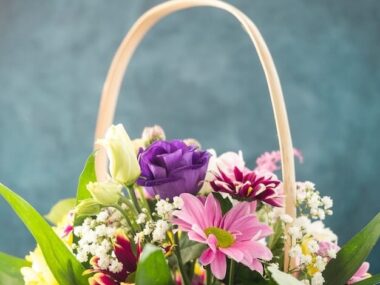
(178, 202)
(331, 253)
(295, 251)
(327, 202)
(313, 246)
(295, 232)
(320, 264)
(160, 230)
(115, 266)
(317, 279)
(141, 218)
(286, 218)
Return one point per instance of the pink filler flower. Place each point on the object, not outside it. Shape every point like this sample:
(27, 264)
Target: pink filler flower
(235, 235)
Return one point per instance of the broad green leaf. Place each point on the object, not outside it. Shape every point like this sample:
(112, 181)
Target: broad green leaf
(225, 203)
(276, 244)
(245, 276)
(152, 268)
(352, 254)
(64, 266)
(60, 210)
(374, 280)
(190, 249)
(10, 269)
(88, 175)
(283, 278)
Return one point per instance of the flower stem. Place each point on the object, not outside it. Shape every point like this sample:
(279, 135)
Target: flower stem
(120, 209)
(208, 275)
(132, 195)
(144, 200)
(177, 251)
(232, 273)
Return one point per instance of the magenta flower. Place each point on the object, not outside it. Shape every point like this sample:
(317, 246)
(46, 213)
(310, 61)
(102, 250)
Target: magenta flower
(361, 274)
(235, 235)
(249, 186)
(169, 168)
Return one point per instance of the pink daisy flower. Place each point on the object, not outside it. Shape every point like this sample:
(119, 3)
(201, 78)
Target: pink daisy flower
(235, 235)
(360, 274)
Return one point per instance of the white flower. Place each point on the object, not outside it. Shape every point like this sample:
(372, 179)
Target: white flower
(141, 218)
(295, 251)
(295, 232)
(105, 193)
(327, 202)
(302, 222)
(317, 279)
(320, 264)
(286, 219)
(124, 167)
(319, 232)
(115, 266)
(160, 230)
(178, 202)
(313, 246)
(331, 253)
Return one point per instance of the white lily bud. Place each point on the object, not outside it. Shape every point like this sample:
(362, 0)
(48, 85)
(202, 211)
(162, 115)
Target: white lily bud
(123, 165)
(105, 193)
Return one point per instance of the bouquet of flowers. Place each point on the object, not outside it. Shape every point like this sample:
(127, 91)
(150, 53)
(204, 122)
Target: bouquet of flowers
(171, 213)
(166, 212)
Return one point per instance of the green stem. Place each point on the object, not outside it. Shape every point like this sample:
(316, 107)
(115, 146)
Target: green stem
(208, 275)
(130, 205)
(121, 210)
(177, 251)
(144, 200)
(232, 273)
(132, 195)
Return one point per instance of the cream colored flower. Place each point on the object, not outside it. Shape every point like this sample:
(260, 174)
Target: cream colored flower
(39, 272)
(123, 165)
(105, 193)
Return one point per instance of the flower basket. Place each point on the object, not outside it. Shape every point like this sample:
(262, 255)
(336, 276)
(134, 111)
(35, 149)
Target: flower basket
(153, 211)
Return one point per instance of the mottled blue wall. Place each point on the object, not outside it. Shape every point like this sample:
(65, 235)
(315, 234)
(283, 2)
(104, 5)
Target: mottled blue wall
(197, 75)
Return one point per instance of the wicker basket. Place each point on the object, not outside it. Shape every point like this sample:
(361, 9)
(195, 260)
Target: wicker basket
(133, 38)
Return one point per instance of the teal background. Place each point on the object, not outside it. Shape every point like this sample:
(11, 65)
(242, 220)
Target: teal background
(197, 75)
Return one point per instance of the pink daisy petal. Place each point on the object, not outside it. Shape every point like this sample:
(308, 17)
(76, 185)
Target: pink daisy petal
(207, 257)
(215, 213)
(219, 265)
(233, 253)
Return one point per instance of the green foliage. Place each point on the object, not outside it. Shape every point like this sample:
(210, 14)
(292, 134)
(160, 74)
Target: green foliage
(245, 276)
(353, 254)
(10, 269)
(283, 278)
(190, 250)
(88, 175)
(225, 203)
(152, 268)
(59, 210)
(65, 267)
(276, 243)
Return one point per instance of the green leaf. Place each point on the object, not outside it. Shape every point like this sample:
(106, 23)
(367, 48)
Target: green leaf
(352, 254)
(370, 281)
(283, 278)
(190, 249)
(59, 210)
(225, 203)
(152, 268)
(245, 276)
(276, 243)
(88, 175)
(66, 269)
(10, 267)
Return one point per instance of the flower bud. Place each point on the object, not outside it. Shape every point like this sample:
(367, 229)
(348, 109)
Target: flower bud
(152, 134)
(105, 193)
(87, 207)
(123, 165)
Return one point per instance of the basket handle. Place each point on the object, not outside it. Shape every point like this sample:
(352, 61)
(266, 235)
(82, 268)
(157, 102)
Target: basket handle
(129, 44)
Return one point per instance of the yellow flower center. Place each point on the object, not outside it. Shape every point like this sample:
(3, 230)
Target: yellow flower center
(224, 238)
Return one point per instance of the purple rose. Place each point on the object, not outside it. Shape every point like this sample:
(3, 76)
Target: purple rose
(169, 168)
